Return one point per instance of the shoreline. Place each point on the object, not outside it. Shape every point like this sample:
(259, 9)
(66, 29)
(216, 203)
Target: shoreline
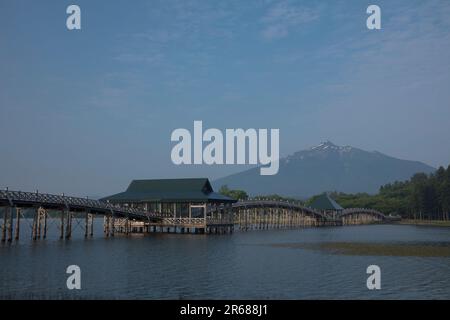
(431, 223)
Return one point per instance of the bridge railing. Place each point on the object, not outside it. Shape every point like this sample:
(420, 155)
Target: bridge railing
(184, 221)
(363, 210)
(36, 198)
(275, 203)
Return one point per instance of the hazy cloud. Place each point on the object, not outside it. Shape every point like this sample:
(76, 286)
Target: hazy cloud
(283, 16)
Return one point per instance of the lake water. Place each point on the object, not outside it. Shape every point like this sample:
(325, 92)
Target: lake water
(315, 263)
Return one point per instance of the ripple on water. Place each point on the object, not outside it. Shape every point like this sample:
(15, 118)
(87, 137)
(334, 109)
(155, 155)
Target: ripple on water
(279, 264)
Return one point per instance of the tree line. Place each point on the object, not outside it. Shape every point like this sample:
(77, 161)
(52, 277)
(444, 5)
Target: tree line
(242, 195)
(424, 197)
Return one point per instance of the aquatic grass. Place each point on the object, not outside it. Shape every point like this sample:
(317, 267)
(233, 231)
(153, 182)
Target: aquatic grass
(441, 249)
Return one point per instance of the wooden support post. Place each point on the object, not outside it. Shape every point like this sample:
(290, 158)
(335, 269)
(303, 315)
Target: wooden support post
(69, 225)
(106, 225)
(38, 223)
(260, 217)
(61, 227)
(281, 214)
(10, 226)
(245, 219)
(278, 218)
(112, 225)
(5, 218)
(286, 219)
(91, 233)
(266, 219)
(17, 231)
(239, 218)
(270, 218)
(86, 224)
(253, 219)
(34, 226)
(44, 236)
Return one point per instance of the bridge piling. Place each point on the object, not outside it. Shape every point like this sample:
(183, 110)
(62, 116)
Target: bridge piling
(69, 225)
(91, 233)
(39, 218)
(261, 219)
(127, 226)
(252, 219)
(34, 226)
(5, 217)
(17, 230)
(106, 225)
(86, 225)
(112, 225)
(44, 235)
(288, 219)
(10, 226)
(278, 215)
(61, 227)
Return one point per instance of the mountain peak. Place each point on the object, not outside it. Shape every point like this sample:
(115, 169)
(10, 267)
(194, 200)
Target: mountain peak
(327, 167)
(324, 144)
(328, 145)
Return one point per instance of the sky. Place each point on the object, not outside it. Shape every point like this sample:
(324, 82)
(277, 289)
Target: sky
(86, 111)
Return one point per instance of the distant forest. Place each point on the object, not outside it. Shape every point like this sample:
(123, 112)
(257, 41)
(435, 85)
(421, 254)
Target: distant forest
(423, 197)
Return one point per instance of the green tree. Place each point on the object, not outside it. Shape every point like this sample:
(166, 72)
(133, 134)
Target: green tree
(423, 197)
(235, 194)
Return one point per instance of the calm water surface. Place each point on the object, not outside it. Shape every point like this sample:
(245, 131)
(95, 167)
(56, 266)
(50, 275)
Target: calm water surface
(277, 264)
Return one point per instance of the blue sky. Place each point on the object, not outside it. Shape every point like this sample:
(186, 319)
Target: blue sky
(84, 112)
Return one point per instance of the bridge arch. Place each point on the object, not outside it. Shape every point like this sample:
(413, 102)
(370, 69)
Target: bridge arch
(357, 216)
(271, 214)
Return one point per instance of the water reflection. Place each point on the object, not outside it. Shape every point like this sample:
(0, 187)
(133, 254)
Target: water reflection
(316, 263)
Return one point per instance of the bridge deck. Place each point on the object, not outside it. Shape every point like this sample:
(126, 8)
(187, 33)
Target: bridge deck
(51, 201)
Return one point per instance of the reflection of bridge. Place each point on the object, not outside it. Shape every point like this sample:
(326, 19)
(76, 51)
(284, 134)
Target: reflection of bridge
(245, 215)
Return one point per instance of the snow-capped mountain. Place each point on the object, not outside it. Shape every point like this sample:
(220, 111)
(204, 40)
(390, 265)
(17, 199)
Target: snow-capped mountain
(326, 167)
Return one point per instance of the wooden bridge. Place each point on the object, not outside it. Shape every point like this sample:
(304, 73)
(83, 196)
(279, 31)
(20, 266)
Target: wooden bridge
(244, 215)
(14, 202)
(267, 214)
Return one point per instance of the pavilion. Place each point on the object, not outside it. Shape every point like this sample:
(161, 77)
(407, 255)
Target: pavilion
(174, 198)
(326, 204)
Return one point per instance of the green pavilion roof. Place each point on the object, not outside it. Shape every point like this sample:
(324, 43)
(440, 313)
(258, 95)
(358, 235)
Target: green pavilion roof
(169, 190)
(325, 202)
